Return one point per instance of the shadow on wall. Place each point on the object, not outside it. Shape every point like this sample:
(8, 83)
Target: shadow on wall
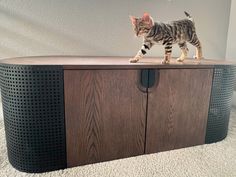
(17, 32)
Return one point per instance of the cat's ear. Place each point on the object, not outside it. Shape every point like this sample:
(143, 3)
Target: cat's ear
(133, 20)
(148, 19)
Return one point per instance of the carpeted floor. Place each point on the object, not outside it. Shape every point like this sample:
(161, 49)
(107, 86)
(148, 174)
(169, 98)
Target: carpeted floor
(216, 160)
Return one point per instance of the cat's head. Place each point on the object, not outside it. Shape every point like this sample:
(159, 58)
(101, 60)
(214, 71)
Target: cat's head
(142, 25)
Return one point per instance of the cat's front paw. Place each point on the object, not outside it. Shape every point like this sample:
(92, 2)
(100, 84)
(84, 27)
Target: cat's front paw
(165, 61)
(134, 60)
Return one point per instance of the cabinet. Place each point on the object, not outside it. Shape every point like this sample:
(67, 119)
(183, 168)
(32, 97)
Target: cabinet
(68, 111)
(108, 116)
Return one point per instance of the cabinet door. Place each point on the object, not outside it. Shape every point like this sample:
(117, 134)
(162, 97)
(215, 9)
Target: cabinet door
(178, 109)
(105, 115)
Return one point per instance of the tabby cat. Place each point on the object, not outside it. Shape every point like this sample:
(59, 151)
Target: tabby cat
(167, 34)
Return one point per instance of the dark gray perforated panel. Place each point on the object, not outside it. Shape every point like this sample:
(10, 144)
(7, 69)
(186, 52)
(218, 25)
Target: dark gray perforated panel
(33, 108)
(220, 103)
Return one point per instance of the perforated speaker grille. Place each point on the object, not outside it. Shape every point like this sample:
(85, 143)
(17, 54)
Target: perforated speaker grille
(33, 109)
(220, 103)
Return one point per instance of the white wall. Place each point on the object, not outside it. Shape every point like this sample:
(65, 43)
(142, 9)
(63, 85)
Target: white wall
(231, 42)
(231, 45)
(92, 27)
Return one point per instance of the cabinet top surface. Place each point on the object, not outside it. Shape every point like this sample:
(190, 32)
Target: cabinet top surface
(76, 62)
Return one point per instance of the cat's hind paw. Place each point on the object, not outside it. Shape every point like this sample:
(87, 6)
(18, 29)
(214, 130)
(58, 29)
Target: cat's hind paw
(198, 58)
(180, 59)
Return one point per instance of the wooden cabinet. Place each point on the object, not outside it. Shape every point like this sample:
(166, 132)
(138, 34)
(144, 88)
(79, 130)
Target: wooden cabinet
(108, 116)
(70, 110)
(105, 115)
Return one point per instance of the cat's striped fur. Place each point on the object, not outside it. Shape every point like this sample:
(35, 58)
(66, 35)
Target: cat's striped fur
(167, 34)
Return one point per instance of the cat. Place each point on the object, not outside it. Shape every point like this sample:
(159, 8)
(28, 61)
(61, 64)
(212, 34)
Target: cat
(167, 34)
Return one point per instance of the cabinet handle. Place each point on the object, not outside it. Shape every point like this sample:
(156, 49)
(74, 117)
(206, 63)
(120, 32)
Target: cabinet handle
(154, 76)
(149, 79)
(143, 80)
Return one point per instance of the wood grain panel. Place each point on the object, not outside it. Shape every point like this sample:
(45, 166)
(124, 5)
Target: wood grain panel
(105, 115)
(178, 109)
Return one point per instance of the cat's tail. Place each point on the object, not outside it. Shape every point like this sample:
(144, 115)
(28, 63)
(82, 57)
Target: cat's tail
(189, 16)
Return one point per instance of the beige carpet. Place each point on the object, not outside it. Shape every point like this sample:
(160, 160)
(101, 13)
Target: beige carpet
(216, 160)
